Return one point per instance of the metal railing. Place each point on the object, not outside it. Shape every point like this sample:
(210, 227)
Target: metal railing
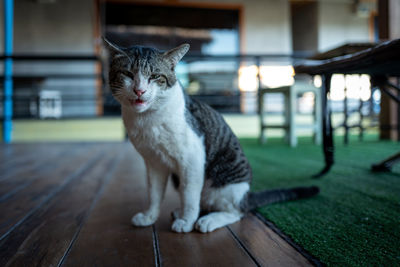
(85, 88)
(81, 83)
(33, 74)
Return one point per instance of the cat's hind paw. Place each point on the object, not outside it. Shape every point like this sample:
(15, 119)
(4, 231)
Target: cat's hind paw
(182, 226)
(142, 220)
(206, 224)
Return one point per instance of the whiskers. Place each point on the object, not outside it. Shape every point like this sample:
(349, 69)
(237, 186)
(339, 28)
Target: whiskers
(120, 93)
(117, 87)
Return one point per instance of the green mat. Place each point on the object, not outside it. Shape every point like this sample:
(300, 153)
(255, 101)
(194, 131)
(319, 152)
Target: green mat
(355, 220)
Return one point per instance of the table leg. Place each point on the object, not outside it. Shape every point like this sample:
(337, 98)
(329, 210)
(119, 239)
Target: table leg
(384, 85)
(386, 165)
(327, 132)
(346, 117)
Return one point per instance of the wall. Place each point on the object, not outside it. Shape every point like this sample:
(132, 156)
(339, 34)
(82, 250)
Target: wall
(394, 17)
(65, 26)
(266, 25)
(304, 24)
(339, 25)
(60, 28)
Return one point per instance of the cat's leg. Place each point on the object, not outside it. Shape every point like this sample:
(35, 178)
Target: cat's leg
(175, 214)
(191, 184)
(225, 202)
(157, 177)
(215, 220)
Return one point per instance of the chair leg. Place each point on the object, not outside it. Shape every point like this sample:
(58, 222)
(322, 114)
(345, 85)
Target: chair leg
(286, 116)
(292, 117)
(262, 138)
(317, 118)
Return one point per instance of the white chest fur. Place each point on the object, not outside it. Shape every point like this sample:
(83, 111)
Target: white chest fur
(163, 135)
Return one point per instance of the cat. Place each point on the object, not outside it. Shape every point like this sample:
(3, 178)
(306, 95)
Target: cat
(186, 140)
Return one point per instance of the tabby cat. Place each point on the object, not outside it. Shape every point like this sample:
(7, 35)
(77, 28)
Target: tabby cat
(186, 140)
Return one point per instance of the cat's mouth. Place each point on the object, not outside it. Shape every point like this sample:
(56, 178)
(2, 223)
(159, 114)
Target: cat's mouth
(135, 102)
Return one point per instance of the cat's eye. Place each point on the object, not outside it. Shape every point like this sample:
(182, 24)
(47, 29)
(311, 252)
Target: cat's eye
(128, 74)
(155, 76)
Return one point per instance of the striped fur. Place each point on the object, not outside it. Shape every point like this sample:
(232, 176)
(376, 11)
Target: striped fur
(186, 140)
(259, 199)
(225, 160)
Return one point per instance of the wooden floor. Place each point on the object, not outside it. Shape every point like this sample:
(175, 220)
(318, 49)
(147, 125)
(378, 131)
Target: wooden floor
(71, 204)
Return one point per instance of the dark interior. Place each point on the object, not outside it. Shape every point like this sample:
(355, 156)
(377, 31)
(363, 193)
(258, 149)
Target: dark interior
(170, 16)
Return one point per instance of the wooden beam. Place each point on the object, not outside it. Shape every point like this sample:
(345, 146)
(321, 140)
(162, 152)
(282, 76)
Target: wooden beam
(383, 21)
(97, 33)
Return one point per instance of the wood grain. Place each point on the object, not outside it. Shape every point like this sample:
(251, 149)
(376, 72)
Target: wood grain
(9, 151)
(108, 238)
(27, 160)
(77, 211)
(218, 248)
(46, 165)
(266, 246)
(45, 236)
(29, 198)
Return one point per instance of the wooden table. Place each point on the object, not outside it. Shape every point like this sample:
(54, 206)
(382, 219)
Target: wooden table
(380, 62)
(70, 204)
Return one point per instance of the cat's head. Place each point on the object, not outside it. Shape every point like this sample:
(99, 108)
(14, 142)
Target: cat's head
(140, 77)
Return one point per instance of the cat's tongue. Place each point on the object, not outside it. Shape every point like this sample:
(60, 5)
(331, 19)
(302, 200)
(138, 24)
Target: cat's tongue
(136, 102)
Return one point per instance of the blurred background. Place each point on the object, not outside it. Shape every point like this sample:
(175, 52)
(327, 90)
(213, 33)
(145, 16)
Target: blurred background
(60, 87)
(54, 89)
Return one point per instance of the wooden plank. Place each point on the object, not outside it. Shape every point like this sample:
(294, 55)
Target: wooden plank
(7, 151)
(86, 221)
(21, 204)
(22, 151)
(265, 245)
(20, 163)
(218, 248)
(45, 236)
(108, 238)
(50, 163)
(26, 159)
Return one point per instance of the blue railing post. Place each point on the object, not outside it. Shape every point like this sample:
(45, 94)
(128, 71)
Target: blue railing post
(8, 70)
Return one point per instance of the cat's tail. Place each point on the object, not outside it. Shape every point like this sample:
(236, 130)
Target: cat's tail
(262, 198)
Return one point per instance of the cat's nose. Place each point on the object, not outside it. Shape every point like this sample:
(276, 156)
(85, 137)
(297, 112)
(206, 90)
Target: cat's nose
(139, 92)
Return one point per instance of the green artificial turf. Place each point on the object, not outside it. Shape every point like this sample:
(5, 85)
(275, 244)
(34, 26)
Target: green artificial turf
(355, 220)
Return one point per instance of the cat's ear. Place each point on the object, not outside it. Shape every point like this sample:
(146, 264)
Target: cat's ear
(176, 54)
(113, 49)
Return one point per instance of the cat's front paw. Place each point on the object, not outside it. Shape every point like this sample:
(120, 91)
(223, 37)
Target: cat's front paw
(182, 226)
(142, 220)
